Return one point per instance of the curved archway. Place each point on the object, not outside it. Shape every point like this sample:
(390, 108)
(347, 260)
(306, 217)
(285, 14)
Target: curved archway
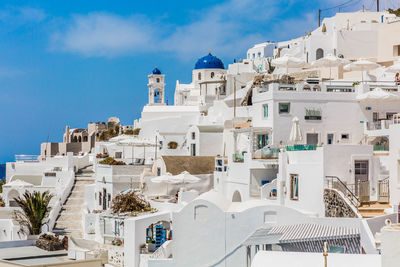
(157, 96)
(11, 195)
(236, 197)
(319, 53)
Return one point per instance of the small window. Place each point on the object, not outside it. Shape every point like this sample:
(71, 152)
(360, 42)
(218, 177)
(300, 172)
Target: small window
(284, 108)
(265, 111)
(294, 187)
(193, 135)
(254, 55)
(158, 80)
(212, 75)
(259, 54)
(345, 136)
(158, 171)
(330, 139)
(118, 155)
(262, 140)
(100, 197)
(199, 76)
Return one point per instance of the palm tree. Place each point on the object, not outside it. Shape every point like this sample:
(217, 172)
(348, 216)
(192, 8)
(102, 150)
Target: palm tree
(35, 207)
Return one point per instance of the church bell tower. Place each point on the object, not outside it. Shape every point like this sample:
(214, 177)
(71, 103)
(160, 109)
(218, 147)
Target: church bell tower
(156, 87)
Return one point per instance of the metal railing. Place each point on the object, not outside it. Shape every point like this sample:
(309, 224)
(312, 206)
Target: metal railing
(333, 182)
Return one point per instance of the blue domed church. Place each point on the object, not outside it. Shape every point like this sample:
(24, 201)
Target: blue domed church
(208, 83)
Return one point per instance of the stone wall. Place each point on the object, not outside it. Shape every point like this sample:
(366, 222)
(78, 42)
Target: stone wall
(336, 206)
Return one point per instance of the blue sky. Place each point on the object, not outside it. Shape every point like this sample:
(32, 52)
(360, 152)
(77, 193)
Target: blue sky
(74, 62)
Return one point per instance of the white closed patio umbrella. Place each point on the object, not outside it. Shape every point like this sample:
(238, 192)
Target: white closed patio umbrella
(295, 133)
(330, 61)
(361, 65)
(288, 61)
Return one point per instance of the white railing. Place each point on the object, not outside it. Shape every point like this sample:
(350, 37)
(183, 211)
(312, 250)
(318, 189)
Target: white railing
(61, 197)
(163, 252)
(27, 158)
(269, 191)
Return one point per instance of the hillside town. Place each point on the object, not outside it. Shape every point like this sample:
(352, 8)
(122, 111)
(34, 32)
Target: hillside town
(288, 157)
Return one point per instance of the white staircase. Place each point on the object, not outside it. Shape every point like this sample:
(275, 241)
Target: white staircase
(69, 221)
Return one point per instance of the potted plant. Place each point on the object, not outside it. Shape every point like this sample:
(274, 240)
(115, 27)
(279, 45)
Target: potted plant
(143, 248)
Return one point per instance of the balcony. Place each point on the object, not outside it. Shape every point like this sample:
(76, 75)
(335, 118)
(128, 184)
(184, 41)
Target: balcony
(301, 147)
(266, 153)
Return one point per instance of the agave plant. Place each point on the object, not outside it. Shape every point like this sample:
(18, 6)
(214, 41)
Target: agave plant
(35, 207)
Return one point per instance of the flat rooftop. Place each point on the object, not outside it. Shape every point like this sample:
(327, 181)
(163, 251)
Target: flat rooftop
(31, 255)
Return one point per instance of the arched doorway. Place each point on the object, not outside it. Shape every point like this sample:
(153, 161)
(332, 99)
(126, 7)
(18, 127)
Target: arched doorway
(319, 53)
(11, 195)
(236, 197)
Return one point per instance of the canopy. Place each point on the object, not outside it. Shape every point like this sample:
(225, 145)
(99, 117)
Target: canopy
(295, 133)
(330, 61)
(378, 95)
(361, 65)
(166, 178)
(185, 178)
(394, 68)
(288, 61)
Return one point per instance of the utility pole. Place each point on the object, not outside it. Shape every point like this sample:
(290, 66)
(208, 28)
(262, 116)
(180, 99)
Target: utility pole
(377, 5)
(319, 17)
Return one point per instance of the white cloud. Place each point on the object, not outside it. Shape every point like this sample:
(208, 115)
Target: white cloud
(21, 15)
(9, 73)
(228, 29)
(102, 34)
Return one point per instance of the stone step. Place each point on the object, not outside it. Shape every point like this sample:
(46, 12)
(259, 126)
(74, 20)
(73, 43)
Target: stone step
(74, 201)
(72, 208)
(77, 194)
(84, 182)
(68, 225)
(69, 217)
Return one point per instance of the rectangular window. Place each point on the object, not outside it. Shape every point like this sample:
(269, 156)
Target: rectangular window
(396, 50)
(345, 137)
(294, 187)
(330, 139)
(158, 171)
(375, 116)
(193, 135)
(284, 108)
(193, 149)
(262, 140)
(118, 155)
(265, 111)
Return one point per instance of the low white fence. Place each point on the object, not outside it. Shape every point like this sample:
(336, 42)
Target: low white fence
(61, 196)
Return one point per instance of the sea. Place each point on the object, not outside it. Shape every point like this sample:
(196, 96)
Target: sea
(2, 171)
